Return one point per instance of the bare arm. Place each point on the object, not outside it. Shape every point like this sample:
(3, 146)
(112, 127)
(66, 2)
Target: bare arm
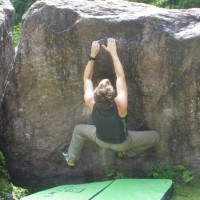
(122, 94)
(87, 78)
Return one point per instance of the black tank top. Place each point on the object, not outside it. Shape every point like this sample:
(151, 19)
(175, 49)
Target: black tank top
(111, 128)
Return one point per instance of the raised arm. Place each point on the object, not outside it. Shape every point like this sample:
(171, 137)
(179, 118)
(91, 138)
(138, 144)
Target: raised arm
(87, 77)
(122, 94)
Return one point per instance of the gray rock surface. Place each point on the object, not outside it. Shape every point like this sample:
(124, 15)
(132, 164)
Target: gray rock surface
(6, 47)
(6, 57)
(160, 51)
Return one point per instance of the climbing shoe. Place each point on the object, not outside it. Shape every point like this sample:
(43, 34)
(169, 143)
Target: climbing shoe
(121, 154)
(70, 163)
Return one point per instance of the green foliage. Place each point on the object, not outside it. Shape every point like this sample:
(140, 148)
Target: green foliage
(3, 171)
(19, 192)
(113, 174)
(162, 3)
(178, 173)
(17, 34)
(21, 7)
(172, 3)
(143, 1)
(188, 4)
(5, 188)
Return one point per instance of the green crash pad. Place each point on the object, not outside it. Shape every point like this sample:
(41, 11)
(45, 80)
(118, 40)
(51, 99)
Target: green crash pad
(120, 189)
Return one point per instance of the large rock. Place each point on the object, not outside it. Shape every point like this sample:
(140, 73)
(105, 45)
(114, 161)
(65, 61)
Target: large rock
(6, 55)
(160, 51)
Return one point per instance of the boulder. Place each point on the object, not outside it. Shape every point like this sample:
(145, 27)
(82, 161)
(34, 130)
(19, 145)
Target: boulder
(6, 56)
(160, 52)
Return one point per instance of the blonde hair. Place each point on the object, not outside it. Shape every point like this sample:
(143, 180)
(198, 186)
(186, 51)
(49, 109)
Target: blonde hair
(104, 94)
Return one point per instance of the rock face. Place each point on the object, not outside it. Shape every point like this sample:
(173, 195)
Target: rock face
(6, 55)
(160, 51)
(6, 47)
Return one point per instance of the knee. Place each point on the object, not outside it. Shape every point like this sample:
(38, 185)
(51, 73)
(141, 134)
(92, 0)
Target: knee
(77, 130)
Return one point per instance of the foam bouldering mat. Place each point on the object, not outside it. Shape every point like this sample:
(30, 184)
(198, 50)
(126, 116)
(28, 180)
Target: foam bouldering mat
(126, 189)
(70, 192)
(137, 189)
